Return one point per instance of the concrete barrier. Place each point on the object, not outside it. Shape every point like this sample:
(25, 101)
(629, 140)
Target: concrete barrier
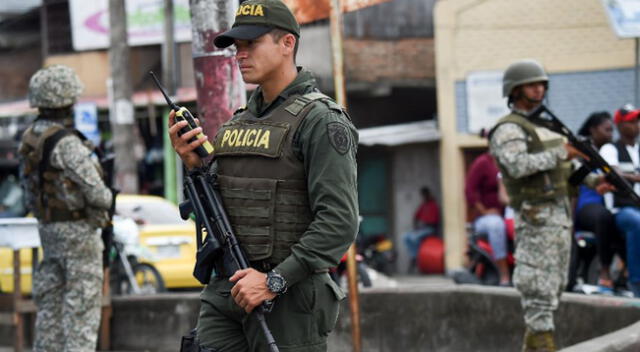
(623, 340)
(472, 318)
(447, 318)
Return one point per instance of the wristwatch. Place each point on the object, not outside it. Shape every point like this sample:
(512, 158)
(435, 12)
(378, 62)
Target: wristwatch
(276, 283)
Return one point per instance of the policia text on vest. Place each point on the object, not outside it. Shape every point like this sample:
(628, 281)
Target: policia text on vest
(544, 117)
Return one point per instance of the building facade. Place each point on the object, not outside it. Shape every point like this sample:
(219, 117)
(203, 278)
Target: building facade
(590, 69)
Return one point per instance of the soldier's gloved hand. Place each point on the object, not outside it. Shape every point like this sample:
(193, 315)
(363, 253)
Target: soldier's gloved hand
(250, 289)
(181, 143)
(572, 152)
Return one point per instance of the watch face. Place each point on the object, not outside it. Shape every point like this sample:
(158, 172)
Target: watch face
(275, 283)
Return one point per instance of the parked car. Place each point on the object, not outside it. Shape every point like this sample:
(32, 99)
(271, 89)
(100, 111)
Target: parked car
(17, 233)
(170, 239)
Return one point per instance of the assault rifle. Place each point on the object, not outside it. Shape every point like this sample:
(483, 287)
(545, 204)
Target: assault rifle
(542, 116)
(205, 202)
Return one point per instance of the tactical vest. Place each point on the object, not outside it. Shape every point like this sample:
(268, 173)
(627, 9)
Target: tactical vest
(35, 150)
(262, 182)
(626, 165)
(541, 186)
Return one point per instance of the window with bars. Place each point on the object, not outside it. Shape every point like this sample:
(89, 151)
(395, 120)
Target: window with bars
(57, 27)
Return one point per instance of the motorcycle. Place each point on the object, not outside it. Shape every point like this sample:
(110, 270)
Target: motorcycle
(130, 270)
(338, 273)
(373, 251)
(378, 252)
(481, 269)
(585, 266)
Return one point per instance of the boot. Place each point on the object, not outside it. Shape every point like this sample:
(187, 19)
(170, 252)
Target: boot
(540, 341)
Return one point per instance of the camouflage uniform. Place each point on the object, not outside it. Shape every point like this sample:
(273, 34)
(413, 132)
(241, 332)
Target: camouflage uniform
(68, 282)
(543, 230)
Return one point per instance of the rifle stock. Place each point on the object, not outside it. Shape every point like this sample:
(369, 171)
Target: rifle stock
(542, 116)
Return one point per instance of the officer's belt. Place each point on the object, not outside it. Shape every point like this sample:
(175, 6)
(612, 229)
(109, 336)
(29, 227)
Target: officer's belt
(225, 267)
(56, 215)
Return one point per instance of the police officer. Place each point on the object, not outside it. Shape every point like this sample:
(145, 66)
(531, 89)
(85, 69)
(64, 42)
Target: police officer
(287, 176)
(67, 195)
(534, 168)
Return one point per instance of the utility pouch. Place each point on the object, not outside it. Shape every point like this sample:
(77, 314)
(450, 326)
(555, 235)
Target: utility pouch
(189, 343)
(205, 262)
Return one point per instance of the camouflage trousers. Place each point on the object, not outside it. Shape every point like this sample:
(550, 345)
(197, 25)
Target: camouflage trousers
(543, 248)
(68, 289)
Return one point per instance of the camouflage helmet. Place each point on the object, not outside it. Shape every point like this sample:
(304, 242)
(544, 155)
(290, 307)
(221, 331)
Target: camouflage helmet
(53, 87)
(522, 72)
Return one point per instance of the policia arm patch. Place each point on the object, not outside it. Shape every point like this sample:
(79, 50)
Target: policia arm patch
(339, 137)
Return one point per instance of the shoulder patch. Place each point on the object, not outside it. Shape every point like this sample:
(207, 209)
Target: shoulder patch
(339, 137)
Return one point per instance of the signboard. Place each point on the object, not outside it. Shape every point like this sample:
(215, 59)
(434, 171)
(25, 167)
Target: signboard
(485, 104)
(86, 121)
(90, 22)
(307, 11)
(624, 16)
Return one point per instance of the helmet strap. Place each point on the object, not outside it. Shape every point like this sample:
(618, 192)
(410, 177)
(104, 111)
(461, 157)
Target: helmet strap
(63, 115)
(517, 94)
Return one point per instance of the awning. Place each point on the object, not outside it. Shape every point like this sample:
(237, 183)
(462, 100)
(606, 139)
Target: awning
(406, 133)
(140, 98)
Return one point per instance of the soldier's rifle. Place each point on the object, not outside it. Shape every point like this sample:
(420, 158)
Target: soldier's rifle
(542, 116)
(107, 161)
(219, 239)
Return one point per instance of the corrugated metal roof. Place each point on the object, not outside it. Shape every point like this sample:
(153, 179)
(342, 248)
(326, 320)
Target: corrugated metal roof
(406, 133)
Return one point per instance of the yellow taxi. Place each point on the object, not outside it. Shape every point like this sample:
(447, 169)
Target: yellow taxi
(171, 240)
(20, 234)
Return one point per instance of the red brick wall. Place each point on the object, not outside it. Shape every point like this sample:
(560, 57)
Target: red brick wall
(16, 68)
(374, 60)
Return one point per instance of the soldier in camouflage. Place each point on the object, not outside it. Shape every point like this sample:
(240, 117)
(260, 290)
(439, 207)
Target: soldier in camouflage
(66, 193)
(534, 165)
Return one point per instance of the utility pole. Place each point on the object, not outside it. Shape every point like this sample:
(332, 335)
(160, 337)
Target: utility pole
(121, 113)
(172, 164)
(219, 85)
(337, 56)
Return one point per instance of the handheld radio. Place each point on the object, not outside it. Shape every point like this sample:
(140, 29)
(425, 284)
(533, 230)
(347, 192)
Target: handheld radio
(183, 114)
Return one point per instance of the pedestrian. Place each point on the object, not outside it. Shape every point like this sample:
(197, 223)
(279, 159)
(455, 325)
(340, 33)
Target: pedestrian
(426, 220)
(624, 155)
(286, 166)
(481, 190)
(66, 193)
(532, 162)
(592, 215)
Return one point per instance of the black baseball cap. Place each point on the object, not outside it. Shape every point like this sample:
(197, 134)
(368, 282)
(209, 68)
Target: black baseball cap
(255, 18)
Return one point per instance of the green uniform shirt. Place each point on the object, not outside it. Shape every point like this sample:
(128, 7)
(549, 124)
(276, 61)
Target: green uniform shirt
(331, 183)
